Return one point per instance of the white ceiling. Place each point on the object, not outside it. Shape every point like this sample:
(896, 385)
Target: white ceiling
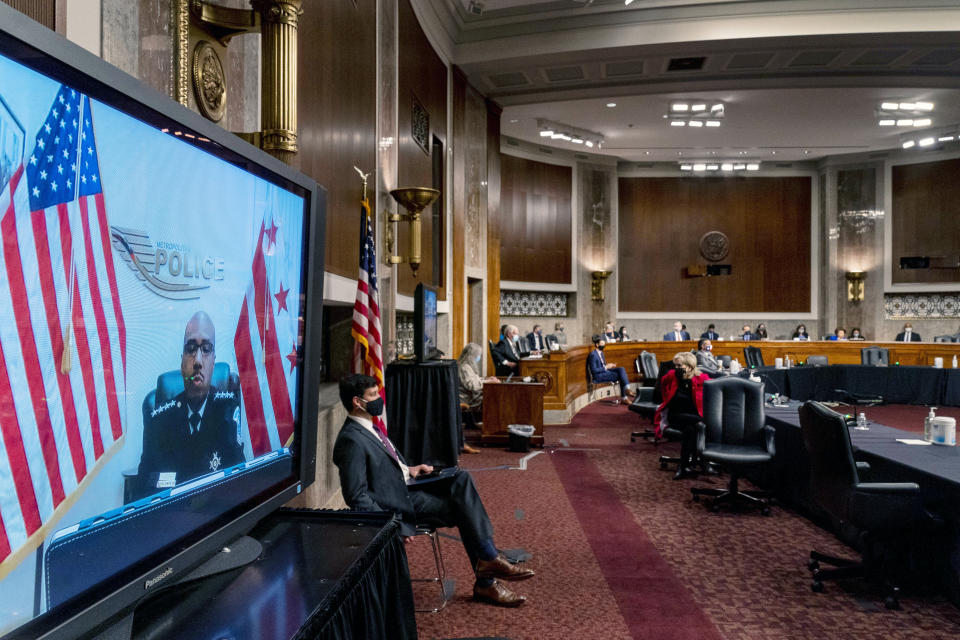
(787, 98)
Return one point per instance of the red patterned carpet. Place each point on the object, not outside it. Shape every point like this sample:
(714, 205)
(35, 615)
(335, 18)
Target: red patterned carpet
(621, 551)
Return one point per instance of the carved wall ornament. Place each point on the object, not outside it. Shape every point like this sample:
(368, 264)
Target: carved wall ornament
(546, 379)
(420, 126)
(209, 81)
(714, 245)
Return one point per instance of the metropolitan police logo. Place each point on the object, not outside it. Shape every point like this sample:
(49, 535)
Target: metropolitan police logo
(215, 461)
(168, 269)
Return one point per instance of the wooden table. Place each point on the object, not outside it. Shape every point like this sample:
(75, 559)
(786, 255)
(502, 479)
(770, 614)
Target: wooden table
(563, 373)
(511, 403)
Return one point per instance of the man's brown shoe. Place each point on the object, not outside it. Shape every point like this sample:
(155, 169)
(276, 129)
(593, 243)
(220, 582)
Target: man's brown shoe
(497, 594)
(468, 449)
(500, 568)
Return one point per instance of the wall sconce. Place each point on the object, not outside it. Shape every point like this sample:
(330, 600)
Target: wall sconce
(414, 200)
(596, 285)
(855, 285)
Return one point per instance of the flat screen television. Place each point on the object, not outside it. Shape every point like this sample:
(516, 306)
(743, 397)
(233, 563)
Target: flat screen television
(160, 303)
(425, 323)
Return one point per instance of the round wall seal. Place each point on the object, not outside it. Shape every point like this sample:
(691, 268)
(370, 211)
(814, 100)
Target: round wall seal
(714, 245)
(209, 81)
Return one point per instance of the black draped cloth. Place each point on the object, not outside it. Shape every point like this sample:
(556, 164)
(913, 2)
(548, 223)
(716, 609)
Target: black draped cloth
(897, 385)
(321, 575)
(423, 411)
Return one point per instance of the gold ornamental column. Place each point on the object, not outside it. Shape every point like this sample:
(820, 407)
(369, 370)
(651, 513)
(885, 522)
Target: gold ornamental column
(278, 42)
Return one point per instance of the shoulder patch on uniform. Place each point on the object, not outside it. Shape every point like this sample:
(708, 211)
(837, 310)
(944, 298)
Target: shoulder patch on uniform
(162, 408)
(220, 395)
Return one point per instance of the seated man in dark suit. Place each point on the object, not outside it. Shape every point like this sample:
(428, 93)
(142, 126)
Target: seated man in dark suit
(509, 350)
(536, 341)
(710, 333)
(706, 361)
(374, 477)
(677, 334)
(746, 334)
(908, 334)
(602, 371)
(198, 431)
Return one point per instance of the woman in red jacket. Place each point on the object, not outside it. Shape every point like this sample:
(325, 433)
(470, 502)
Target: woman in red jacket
(682, 406)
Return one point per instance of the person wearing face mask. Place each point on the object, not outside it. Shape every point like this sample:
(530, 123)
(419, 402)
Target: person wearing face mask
(706, 361)
(610, 334)
(558, 334)
(509, 351)
(536, 341)
(682, 407)
(761, 332)
(471, 385)
(801, 333)
(375, 477)
(603, 371)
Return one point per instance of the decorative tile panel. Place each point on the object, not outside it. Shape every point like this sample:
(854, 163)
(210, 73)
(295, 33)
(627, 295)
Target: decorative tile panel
(532, 303)
(919, 305)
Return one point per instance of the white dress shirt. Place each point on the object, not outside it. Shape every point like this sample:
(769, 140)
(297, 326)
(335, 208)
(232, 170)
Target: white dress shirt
(368, 425)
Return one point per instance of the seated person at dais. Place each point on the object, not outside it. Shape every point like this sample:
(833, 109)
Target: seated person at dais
(623, 334)
(682, 407)
(198, 431)
(374, 477)
(710, 333)
(678, 334)
(908, 334)
(610, 334)
(706, 361)
(838, 334)
(603, 371)
(746, 334)
(536, 341)
(856, 334)
(801, 333)
(761, 332)
(471, 385)
(559, 334)
(509, 351)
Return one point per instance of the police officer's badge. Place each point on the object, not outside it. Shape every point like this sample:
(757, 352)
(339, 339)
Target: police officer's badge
(215, 461)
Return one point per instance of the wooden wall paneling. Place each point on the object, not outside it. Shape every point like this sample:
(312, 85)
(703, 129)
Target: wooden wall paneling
(459, 207)
(494, 173)
(536, 244)
(767, 220)
(422, 76)
(926, 218)
(43, 11)
(337, 113)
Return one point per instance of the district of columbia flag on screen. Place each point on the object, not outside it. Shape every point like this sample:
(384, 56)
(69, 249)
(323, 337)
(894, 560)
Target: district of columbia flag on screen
(365, 329)
(265, 341)
(63, 354)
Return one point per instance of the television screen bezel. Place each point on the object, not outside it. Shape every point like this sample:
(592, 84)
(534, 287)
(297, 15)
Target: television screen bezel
(419, 348)
(42, 50)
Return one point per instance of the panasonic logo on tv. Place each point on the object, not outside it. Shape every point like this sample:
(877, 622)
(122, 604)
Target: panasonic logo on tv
(158, 578)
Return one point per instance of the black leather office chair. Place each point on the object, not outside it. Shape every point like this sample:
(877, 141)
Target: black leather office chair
(875, 356)
(818, 361)
(725, 361)
(753, 357)
(944, 339)
(734, 435)
(648, 396)
(885, 513)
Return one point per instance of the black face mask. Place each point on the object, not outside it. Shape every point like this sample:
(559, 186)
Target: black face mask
(375, 407)
(601, 346)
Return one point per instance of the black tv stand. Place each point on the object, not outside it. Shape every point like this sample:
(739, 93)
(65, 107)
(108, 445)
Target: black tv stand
(238, 553)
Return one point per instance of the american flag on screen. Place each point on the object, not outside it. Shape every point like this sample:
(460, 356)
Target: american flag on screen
(63, 356)
(365, 329)
(265, 343)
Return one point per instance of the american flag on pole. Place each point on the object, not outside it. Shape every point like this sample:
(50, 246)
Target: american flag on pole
(63, 358)
(266, 340)
(365, 329)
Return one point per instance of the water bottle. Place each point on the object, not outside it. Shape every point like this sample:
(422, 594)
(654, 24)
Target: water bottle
(954, 361)
(862, 422)
(928, 425)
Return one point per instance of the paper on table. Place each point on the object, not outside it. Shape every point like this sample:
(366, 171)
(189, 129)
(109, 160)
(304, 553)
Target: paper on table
(913, 441)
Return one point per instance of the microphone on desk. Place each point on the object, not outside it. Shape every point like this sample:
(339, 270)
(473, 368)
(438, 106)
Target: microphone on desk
(508, 378)
(767, 378)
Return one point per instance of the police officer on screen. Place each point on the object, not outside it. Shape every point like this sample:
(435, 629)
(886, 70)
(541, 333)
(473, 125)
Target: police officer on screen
(198, 431)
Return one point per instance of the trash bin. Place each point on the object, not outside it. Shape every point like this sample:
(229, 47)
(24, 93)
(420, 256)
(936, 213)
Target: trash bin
(520, 437)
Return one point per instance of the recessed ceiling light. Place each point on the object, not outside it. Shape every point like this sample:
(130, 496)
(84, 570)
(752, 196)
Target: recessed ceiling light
(589, 143)
(945, 138)
(908, 144)
(922, 122)
(924, 106)
(546, 133)
(727, 166)
(679, 153)
(773, 153)
(514, 121)
(713, 123)
(907, 106)
(712, 167)
(696, 123)
(646, 153)
(680, 106)
(905, 122)
(806, 151)
(887, 122)
(753, 166)
(700, 167)
(677, 123)
(698, 107)
(926, 142)
(611, 105)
